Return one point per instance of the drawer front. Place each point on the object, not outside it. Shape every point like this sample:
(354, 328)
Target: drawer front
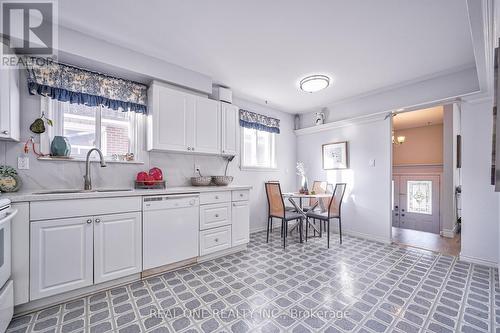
(57, 209)
(214, 197)
(215, 215)
(214, 240)
(240, 195)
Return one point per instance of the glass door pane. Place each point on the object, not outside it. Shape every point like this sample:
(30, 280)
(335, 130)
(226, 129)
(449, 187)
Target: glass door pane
(419, 196)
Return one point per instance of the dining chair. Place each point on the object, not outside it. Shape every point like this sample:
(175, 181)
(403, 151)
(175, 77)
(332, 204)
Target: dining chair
(289, 208)
(319, 187)
(276, 209)
(333, 211)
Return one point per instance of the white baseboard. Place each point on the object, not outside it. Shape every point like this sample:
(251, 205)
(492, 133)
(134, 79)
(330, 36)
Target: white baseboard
(367, 236)
(335, 229)
(478, 261)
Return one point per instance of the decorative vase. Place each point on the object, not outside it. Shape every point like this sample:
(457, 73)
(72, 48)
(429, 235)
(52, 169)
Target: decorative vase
(305, 189)
(60, 146)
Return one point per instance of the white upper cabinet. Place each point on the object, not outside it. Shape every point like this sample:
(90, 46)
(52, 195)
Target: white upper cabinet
(170, 119)
(185, 122)
(230, 128)
(207, 126)
(9, 104)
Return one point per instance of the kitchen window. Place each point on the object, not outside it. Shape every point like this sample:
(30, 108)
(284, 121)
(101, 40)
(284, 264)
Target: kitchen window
(113, 131)
(258, 149)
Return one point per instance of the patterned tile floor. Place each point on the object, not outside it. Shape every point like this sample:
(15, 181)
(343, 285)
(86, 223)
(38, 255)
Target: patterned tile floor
(360, 286)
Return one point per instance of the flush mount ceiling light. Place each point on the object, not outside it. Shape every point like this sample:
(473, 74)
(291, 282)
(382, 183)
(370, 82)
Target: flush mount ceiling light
(314, 83)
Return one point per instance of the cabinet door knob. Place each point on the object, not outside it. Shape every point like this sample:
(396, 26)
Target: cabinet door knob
(89, 221)
(5, 132)
(192, 148)
(241, 195)
(97, 220)
(216, 215)
(189, 148)
(216, 240)
(216, 197)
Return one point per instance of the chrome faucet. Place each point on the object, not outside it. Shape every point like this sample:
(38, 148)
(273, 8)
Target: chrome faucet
(88, 181)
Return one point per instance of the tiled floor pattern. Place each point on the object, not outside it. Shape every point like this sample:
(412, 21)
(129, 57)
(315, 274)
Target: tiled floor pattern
(305, 288)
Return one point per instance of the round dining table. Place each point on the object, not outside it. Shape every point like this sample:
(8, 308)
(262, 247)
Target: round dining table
(294, 196)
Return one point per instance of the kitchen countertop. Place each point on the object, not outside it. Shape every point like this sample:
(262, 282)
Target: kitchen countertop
(24, 196)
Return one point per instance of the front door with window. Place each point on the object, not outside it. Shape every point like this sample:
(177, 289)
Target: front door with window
(416, 202)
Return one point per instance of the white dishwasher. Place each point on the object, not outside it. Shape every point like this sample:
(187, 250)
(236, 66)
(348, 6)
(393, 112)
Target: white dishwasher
(170, 229)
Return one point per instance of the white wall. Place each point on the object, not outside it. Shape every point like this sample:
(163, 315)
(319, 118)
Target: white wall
(87, 51)
(451, 128)
(286, 158)
(366, 206)
(178, 168)
(480, 204)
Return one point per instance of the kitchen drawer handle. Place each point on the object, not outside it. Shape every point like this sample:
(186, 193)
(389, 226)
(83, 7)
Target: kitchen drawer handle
(216, 240)
(89, 221)
(5, 132)
(97, 220)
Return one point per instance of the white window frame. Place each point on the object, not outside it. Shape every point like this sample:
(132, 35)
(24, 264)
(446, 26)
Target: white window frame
(135, 137)
(271, 151)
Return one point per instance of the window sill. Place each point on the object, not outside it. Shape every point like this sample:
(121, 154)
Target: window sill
(248, 168)
(58, 159)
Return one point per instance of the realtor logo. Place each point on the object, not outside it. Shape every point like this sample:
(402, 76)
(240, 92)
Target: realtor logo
(28, 27)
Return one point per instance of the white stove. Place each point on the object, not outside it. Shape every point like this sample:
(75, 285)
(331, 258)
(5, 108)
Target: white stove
(6, 285)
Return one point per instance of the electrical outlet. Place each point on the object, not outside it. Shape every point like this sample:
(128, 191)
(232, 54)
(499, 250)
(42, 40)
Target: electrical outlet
(23, 162)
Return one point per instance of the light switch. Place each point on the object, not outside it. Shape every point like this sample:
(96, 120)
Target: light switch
(371, 162)
(23, 162)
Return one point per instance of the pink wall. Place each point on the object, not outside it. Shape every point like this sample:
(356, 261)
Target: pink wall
(423, 145)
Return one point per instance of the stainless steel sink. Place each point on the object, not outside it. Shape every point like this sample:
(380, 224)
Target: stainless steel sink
(69, 191)
(113, 189)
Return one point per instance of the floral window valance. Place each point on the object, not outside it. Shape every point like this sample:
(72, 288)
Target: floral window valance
(75, 85)
(258, 121)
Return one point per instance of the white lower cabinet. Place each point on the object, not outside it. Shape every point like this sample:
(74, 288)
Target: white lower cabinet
(241, 223)
(215, 215)
(68, 254)
(215, 239)
(117, 246)
(61, 256)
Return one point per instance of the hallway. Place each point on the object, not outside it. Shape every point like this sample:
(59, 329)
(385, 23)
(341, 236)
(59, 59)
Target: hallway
(427, 241)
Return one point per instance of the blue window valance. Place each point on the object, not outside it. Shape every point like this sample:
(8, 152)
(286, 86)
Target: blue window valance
(258, 121)
(75, 85)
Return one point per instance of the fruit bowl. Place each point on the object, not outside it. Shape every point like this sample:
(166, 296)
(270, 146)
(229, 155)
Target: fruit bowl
(222, 180)
(201, 181)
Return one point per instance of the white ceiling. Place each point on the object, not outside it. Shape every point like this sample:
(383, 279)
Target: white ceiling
(419, 118)
(261, 48)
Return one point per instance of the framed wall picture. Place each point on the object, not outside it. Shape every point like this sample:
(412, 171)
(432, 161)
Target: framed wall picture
(335, 156)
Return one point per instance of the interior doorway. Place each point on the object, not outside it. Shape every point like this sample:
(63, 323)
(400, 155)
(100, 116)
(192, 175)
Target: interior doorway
(425, 175)
(416, 202)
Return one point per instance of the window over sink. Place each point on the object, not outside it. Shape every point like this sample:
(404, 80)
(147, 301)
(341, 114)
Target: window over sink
(258, 149)
(113, 131)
